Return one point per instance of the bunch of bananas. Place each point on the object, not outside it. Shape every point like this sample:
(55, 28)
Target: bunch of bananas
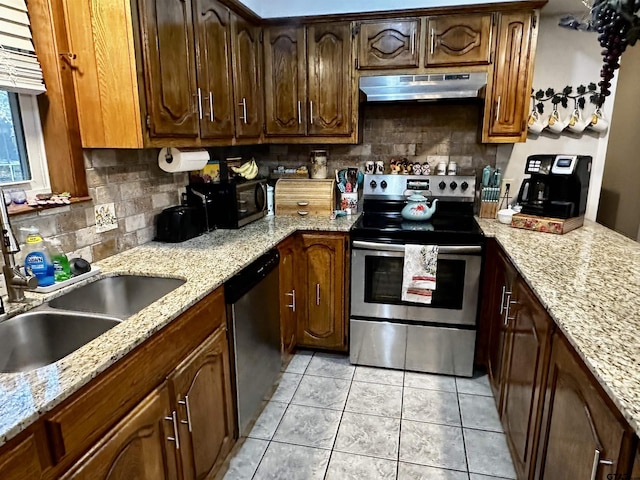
(248, 170)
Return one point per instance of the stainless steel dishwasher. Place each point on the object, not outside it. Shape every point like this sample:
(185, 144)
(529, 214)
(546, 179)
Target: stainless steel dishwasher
(254, 320)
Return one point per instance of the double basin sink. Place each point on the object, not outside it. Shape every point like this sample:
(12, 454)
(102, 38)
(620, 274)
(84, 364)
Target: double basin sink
(51, 332)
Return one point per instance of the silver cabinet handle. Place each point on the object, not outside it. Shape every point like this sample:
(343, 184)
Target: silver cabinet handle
(211, 116)
(433, 41)
(506, 309)
(200, 103)
(292, 306)
(498, 109)
(413, 43)
(597, 462)
(299, 112)
(174, 419)
(311, 111)
(185, 402)
(243, 104)
(504, 289)
(317, 294)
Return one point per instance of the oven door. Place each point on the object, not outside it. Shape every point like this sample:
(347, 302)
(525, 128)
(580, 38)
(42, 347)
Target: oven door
(376, 285)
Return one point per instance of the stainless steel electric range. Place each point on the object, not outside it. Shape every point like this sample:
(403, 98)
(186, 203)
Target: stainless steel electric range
(388, 332)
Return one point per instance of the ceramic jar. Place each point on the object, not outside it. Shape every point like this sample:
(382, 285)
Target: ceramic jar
(318, 159)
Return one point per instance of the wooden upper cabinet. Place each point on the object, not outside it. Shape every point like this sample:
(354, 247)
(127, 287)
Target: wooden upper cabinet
(525, 368)
(201, 388)
(170, 68)
(330, 79)
(247, 77)
(137, 447)
(458, 40)
(285, 80)
(580, 432)
(506, 107)
(389, 44)
(323, 322)
(213, 53)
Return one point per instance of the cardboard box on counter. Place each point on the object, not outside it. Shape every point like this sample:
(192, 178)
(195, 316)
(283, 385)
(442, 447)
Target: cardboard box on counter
(546, 224)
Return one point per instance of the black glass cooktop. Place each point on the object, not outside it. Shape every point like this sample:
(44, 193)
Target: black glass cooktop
(446, 227)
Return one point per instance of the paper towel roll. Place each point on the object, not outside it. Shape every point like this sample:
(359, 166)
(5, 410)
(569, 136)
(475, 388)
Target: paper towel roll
(182, 159)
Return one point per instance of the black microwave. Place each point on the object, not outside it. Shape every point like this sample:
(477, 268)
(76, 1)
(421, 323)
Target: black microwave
(232, 204)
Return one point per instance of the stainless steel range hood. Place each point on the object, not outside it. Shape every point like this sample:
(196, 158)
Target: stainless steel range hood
(389, 88)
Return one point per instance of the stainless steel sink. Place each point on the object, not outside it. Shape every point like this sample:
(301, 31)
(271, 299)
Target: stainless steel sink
(120, 296)
(39, 338)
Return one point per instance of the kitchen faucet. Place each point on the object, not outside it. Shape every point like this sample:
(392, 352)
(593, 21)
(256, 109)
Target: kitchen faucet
(16, 281)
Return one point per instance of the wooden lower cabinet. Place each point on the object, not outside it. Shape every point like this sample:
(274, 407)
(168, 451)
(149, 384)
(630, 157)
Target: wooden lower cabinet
(201, 390)
(314, 271)
(289, 293)
(322, 323)
(581, 435)
(23, 461)
(525, 368)
(141, 446)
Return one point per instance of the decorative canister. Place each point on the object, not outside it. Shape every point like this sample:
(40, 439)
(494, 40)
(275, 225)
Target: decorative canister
(417, 209)
(318, 160)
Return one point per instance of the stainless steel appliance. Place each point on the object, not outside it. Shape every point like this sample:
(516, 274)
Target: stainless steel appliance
(254, 320)
(388, 332)
(558, 186)
(233, 204)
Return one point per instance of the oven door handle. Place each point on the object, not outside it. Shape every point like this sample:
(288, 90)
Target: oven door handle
(444, 249)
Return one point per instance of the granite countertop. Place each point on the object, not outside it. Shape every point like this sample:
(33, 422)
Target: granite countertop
(205, 262)
(589, 282)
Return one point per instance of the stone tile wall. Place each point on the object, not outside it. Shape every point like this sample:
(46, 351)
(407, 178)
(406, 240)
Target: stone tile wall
(132, 180)
(432, 132)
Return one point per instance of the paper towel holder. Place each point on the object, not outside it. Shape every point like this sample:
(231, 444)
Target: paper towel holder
(168, 156)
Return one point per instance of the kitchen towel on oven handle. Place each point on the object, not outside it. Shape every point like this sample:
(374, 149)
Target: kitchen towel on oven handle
(419, 273)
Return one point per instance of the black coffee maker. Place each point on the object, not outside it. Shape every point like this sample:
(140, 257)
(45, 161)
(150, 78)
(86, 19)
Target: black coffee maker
(558, 185)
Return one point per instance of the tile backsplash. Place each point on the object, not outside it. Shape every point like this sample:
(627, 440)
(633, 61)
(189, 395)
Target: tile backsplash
(431, 132)
(132, 180)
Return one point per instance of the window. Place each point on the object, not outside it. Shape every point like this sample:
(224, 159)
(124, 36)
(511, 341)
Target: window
(22, 158)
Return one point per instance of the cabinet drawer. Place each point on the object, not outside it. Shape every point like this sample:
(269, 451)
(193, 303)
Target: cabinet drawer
(305, 197)
(23, 460)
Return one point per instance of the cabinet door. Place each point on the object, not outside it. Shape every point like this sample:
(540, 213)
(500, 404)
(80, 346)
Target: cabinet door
(22, 461)
(247, 77)
(215, 89)
(290, 293)
(392, 44)
(285, 80)
(323, 323)
(525, 372)
(458, 40)
(330, 79)
(170, 68)
(579, 430)
(138, 447)
(506, 111)
(201, 385)
(503, 277)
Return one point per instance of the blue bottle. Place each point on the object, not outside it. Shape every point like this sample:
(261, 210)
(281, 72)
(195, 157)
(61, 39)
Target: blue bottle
(37, 259)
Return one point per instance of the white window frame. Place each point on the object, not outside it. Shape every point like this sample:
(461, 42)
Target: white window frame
(36, 155)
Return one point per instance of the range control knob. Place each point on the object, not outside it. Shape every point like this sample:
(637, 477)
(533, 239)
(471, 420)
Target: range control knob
(442, 185)
(383, 184)
(464, 186)
(373, 184)
(453, 185)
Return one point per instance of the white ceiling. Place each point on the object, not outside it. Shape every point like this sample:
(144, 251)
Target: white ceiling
(288, 8)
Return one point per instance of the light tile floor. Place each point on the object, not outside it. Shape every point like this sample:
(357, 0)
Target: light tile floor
(332, 420)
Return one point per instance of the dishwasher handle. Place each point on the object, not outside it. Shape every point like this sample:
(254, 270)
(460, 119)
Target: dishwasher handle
(241, 283)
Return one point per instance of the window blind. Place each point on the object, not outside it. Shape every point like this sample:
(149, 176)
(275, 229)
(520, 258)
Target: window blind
(20, 70)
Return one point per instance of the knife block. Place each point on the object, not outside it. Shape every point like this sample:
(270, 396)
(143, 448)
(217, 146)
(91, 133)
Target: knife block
(488, 209)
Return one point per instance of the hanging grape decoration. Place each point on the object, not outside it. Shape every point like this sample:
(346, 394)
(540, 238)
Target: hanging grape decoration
(618, 26)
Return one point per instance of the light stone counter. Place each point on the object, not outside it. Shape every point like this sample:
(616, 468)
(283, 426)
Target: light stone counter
(205, 262)
(589, 282)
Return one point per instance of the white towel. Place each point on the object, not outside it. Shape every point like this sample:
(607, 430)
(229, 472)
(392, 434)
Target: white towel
(419, 273)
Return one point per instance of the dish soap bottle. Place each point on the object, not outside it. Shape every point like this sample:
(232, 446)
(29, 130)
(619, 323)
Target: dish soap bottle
(61, 267)
(37, 259)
